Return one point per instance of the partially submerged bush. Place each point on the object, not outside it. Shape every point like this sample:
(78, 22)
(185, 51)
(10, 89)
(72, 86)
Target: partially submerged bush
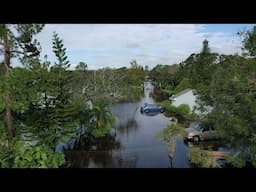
(201, 158)
(171, 132)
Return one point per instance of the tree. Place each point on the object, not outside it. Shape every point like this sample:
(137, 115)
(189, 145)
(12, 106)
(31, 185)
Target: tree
(232, 93)
(52, 119)
(205, 49)
(64, 110)
(103, 120)
(134, 64)
(249, 41)
(16, 40)
(81, 67)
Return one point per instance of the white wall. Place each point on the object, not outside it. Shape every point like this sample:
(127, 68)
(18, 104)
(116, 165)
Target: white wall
(186, 98)
(190, 99)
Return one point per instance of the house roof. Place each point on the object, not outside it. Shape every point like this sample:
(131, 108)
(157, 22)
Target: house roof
(182, 92)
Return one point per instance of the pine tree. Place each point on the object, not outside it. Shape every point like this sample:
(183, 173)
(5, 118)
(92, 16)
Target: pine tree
(205, 49)
(64, 110)
(16, 40)
(52, 118)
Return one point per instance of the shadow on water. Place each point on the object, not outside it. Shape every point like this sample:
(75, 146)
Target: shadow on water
(89, 152)
(98, 159)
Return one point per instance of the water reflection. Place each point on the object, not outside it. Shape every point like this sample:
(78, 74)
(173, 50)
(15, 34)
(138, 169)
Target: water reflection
(151, 113)
(89, 152)
(127, 127)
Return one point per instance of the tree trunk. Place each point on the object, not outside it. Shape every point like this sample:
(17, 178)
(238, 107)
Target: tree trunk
(7, 101)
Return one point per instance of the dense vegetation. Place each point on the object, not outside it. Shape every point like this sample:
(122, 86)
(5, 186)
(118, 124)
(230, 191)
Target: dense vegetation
(43, 104)
(228, 84)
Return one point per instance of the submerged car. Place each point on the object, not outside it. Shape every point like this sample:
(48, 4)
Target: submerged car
(151, 108)
(196, 132)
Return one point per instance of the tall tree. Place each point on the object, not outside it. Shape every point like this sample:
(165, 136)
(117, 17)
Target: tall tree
(205, 49)
(53, 118)
(16, 40)
(249, 41)
(64, 109)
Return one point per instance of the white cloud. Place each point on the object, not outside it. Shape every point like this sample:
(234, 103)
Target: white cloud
(117, 44)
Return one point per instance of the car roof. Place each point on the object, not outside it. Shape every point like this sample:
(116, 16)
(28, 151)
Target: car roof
(151, 105)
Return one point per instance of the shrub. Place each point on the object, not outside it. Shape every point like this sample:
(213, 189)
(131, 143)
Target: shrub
(183, 109)
(201, 158)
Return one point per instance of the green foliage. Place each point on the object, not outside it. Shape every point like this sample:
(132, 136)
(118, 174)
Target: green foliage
(17, 40)
(103, 120)
(249, 41)
(20, 38)
(165, 79)
(227, 84)
(183, 110)
(38, 157)
(236, 161)
(201, 158)
(170, 133)
(97, 133)
(82, 66)
(165, 103)
(20, 83)
(205, 49)
(1, 92)
(198, 67)
(184, 84)
(23, 155)
(136, 74)
(60, 53)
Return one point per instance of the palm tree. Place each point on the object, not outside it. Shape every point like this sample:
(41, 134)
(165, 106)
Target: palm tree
(102, 117)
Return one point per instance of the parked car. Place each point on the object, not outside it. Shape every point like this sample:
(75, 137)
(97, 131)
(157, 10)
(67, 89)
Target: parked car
(196, 132)
(151, 108)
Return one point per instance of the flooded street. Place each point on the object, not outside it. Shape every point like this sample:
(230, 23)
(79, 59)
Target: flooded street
(135, 144)
(138, 141)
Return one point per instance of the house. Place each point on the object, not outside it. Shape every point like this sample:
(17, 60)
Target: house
(188, 97)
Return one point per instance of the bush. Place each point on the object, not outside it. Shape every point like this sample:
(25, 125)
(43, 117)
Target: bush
(183, 110)
(38, 157)
(201, 158)
(25, 156)
(236, 161)
(184, 84)
(171, 132)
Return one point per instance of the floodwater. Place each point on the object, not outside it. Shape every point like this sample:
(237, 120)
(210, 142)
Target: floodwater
(134, 143)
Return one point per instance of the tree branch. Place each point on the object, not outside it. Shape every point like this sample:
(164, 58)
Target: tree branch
(18, 52)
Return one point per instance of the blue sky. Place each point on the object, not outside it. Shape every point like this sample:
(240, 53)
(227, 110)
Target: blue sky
(227, 28)
(115, 45)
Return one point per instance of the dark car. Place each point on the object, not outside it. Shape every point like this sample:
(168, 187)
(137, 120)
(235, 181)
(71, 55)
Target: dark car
(151, 108)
